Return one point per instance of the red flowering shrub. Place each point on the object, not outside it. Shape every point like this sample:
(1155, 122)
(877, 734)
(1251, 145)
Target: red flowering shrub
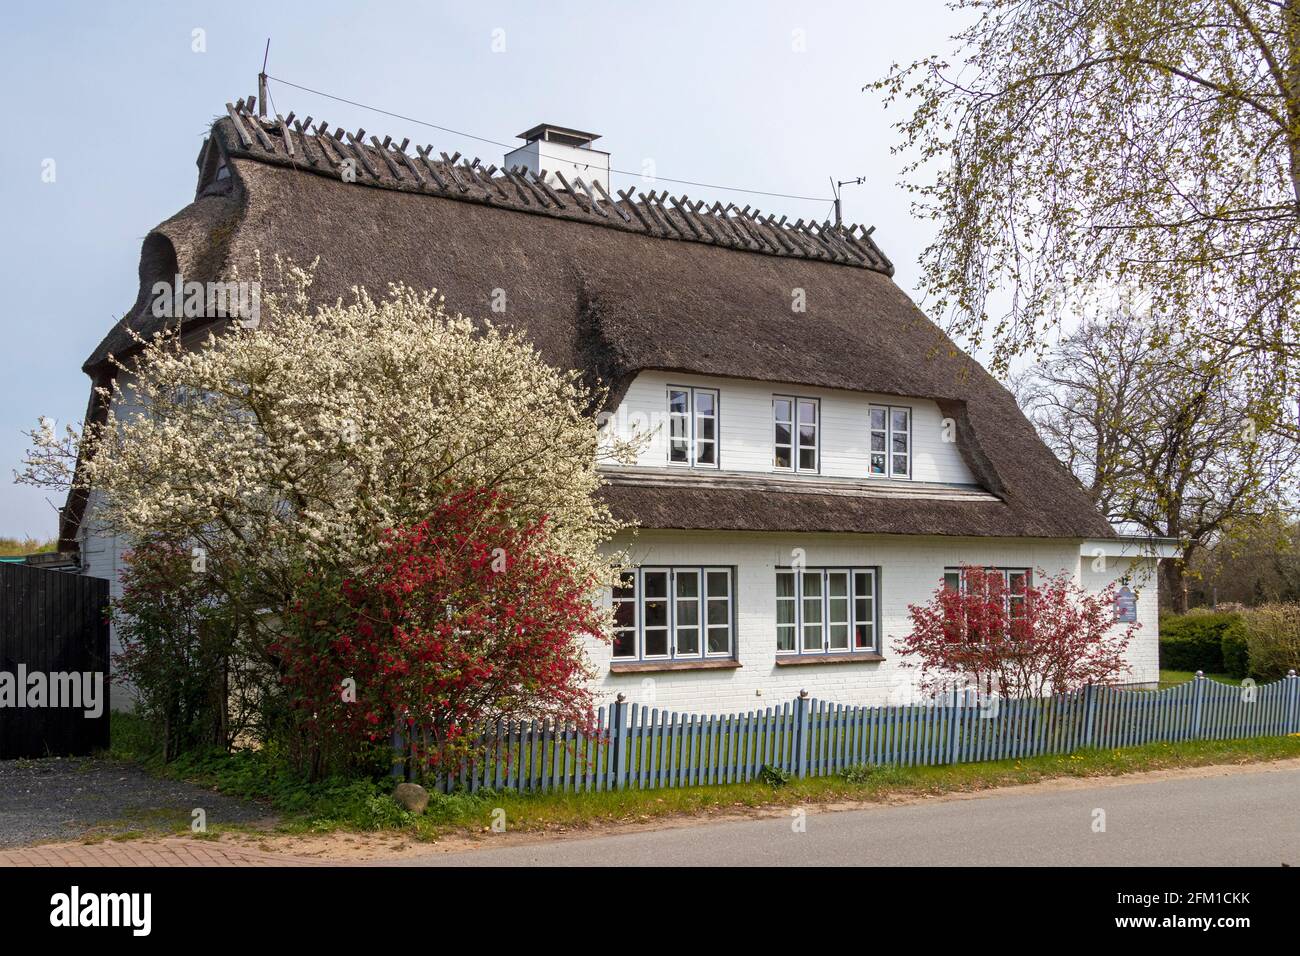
(467, 618)
(1027, 641)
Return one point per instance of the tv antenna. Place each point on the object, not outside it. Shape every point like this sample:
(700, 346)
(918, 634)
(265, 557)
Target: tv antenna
(261, 81)
(836, 187)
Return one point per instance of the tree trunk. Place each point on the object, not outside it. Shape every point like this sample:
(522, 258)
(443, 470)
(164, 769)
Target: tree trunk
(1173, 573)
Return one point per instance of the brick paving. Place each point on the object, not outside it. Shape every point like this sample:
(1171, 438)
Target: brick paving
(172, 851)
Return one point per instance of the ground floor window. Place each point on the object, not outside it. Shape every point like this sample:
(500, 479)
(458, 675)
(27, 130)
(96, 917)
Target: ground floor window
(674, 613)
(827, 610)
(1014, 584)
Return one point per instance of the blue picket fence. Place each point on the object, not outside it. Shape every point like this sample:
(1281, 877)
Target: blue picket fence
(637, 746)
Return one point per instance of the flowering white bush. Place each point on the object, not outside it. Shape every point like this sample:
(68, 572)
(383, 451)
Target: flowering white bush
(295, 444)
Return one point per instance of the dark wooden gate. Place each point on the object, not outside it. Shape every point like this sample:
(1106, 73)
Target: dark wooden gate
(51, 623)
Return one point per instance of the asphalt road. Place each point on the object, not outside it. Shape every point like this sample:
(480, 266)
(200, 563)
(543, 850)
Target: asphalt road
(1236, 819)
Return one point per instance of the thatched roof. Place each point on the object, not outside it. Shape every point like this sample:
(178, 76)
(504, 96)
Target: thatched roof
(616, 287)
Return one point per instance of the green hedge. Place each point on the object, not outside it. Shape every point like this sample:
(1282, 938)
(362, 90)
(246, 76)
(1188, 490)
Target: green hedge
(1194, 641)
(1236, 653)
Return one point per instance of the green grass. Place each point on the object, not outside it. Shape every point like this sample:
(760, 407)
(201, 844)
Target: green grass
(1171, 678)
(365, 805)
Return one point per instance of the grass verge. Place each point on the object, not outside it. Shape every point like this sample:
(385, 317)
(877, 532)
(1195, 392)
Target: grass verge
(1172, 678)
(364, 804)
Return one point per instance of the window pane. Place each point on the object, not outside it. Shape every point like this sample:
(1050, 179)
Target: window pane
(704, 453)
(626, 586)
(808, 413)
(785, 584)
(878, 441)
(625, 614)
(656, 643)
(656, 584)
(781, 410)
(719, 640)
(719, 612)
(625, 643)
(878, 419)
(719, 584)
(705, 403)
(782, 457)
(900, 464)
(900, 443)
(782, 434)
(952, 580)
(900, 417)
(688, 641)
(706, 429)
(656, 613)
(678, 402)
(877, 464)
(785, 637)
(808, 459)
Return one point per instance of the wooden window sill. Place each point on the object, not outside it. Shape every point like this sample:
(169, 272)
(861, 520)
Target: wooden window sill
(808, 660)
(642, 667)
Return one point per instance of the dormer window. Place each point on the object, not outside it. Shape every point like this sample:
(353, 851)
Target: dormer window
(693, 427)
(891, 441)
(796, 425)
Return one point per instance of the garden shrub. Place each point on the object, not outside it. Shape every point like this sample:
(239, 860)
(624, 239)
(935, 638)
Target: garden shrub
(1272, 633)
(1194, 641)
(1236, 657)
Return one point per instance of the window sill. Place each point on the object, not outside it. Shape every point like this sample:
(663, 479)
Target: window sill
(642, 667)
(808, 660)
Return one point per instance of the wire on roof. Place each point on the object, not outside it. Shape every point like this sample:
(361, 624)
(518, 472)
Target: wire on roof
(484, 139)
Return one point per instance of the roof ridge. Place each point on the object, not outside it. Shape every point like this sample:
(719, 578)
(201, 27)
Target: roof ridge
(384, 164)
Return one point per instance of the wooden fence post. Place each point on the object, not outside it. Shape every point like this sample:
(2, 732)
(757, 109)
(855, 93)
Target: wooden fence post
(801, 734)
(619, 730)
(1090, 714)
(1199, 685)
(1292, 703)
(952, 728)
(399, 752)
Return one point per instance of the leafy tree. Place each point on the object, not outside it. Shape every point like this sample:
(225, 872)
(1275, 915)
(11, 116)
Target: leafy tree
(1084, 147)
(1172, 442)
(1046, 637)
(295, 445)
(176, 642)
(1255, 560)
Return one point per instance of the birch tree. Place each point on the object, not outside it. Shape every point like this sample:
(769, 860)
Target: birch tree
(1076, 147)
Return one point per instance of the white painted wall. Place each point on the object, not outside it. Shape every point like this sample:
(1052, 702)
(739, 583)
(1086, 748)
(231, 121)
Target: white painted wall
(911, 569)
(746, 432)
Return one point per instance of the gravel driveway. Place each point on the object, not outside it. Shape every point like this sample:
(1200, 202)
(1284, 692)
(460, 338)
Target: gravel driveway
(62, 798)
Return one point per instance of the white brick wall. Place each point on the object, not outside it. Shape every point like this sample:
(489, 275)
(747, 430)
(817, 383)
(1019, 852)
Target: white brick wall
(746, 433)
(911, 569)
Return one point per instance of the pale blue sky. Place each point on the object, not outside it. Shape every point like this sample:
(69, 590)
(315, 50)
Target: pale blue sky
(115, 95)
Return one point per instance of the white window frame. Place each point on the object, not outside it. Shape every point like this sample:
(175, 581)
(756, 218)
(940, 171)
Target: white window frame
(889, 433)
(796, 445)
(702, 601)
(823, 575)
(692, 417)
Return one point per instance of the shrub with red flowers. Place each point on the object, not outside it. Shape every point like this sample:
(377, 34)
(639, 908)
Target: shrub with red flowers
(1025, 641)
(468, 617)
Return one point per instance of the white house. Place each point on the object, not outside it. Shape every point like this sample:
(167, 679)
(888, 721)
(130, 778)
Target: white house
(818, 456)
